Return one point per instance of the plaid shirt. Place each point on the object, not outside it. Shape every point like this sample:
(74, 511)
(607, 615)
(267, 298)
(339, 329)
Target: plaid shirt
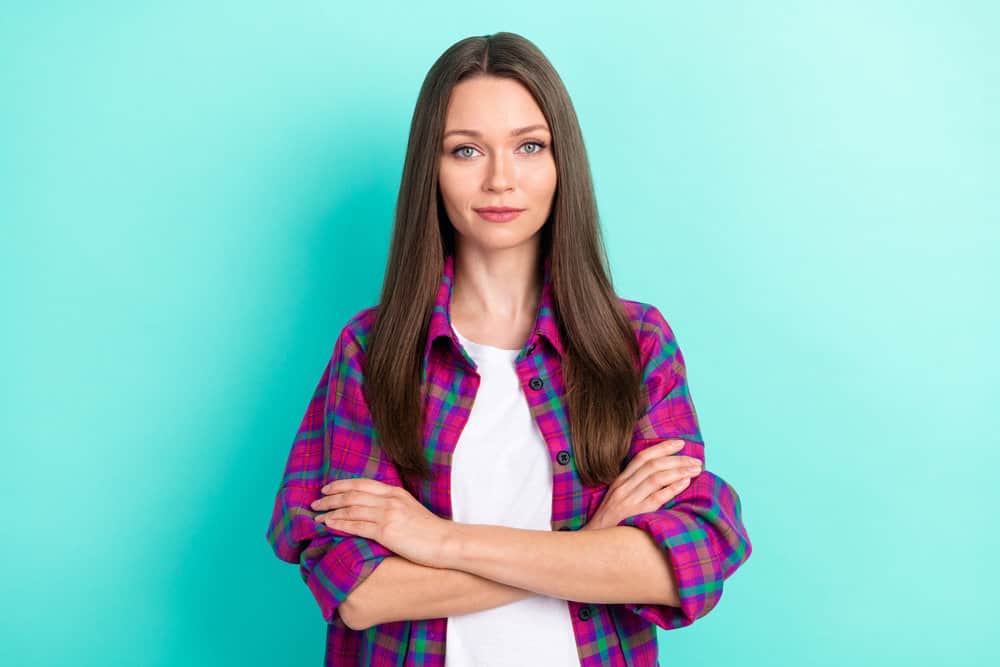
(701, 529)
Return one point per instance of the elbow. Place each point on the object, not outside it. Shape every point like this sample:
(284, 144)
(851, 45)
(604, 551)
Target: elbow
(354, 610)
(351, 616)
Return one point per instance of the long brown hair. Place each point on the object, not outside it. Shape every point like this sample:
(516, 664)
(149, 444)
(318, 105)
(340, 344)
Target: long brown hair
(600, 365)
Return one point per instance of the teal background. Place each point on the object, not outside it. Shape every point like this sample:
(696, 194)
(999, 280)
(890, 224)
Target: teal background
(196, 196)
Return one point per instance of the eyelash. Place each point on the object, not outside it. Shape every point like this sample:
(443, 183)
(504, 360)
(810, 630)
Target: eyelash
(541, 146)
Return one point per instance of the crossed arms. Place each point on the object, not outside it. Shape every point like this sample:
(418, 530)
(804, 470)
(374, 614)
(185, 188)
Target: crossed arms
(492, 566)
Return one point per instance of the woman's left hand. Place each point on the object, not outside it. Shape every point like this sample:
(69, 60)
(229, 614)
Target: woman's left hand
(388, 514)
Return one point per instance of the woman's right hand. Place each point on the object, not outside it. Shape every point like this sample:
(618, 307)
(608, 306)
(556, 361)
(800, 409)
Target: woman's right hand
(650, 479)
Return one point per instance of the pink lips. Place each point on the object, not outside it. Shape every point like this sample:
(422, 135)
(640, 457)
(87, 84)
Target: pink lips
(498, 213)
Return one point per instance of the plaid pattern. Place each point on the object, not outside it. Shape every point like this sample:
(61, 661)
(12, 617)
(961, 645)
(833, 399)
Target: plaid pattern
(701, 529)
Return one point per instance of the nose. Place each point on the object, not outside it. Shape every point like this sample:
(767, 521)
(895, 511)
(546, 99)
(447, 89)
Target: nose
(500, 173)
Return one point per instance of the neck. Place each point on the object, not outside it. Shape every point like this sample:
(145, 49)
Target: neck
(500, 287)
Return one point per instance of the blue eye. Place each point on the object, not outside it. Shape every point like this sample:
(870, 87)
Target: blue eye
(455, 151)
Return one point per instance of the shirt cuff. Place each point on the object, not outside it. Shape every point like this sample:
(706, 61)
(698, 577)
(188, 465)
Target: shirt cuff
(333, 566)
(695, 563)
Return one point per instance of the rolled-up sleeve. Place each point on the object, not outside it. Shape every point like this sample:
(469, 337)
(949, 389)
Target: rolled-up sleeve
(334, 441)
(701, 528)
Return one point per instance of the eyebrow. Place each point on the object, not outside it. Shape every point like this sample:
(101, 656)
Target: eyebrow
(514, 133)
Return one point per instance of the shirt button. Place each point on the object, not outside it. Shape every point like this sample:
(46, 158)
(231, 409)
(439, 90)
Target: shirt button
(562, 457)
(535, 383)
(585, 613)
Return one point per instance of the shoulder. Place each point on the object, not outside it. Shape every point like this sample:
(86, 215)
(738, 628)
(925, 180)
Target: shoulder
(352, 341)
(647, 320)
(653, 332)
(359, 325)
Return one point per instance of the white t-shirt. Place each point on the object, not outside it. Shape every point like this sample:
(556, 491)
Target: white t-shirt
(501, 474)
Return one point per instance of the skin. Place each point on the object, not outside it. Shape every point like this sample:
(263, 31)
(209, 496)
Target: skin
(444, 568)
(391, 516)
(497, 288)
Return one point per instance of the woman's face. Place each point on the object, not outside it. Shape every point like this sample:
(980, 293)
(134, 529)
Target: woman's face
(486, 164)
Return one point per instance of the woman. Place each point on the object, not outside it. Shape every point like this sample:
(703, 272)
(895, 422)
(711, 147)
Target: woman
(439, 509)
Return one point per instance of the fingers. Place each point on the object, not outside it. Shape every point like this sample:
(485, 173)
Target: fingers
(657, 475)
(658, 499)
(354, 512)
(361, 484)
(359, 528)
(344, 499)
(664, 448)
(682, 465)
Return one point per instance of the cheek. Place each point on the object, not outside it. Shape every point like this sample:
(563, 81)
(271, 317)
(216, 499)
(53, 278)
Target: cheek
(540, 183)
(457, 185)
(445, 181)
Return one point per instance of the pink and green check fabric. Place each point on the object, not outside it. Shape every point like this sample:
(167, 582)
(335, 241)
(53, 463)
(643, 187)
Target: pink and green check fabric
(701, 529)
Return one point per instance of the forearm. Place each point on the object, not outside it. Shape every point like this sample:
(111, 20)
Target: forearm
(399, 589)
(605, 566)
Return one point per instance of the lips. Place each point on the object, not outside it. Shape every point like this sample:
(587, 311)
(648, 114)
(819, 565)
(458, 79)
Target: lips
(498, 213)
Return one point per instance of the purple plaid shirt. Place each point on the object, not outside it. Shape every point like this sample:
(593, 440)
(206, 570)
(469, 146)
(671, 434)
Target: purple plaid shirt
(701, 529)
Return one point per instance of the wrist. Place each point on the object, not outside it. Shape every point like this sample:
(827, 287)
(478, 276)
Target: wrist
(450, 547)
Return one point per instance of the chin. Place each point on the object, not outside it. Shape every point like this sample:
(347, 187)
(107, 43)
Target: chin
(503, 239)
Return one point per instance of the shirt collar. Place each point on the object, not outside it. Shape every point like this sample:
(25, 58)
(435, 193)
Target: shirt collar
(545, 318)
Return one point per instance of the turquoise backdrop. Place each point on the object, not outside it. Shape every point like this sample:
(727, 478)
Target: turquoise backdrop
(195, 196)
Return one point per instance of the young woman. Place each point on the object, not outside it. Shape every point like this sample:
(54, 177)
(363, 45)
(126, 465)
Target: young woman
(501, 463)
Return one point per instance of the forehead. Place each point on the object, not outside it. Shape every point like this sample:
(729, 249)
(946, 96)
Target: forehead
(492, 105)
